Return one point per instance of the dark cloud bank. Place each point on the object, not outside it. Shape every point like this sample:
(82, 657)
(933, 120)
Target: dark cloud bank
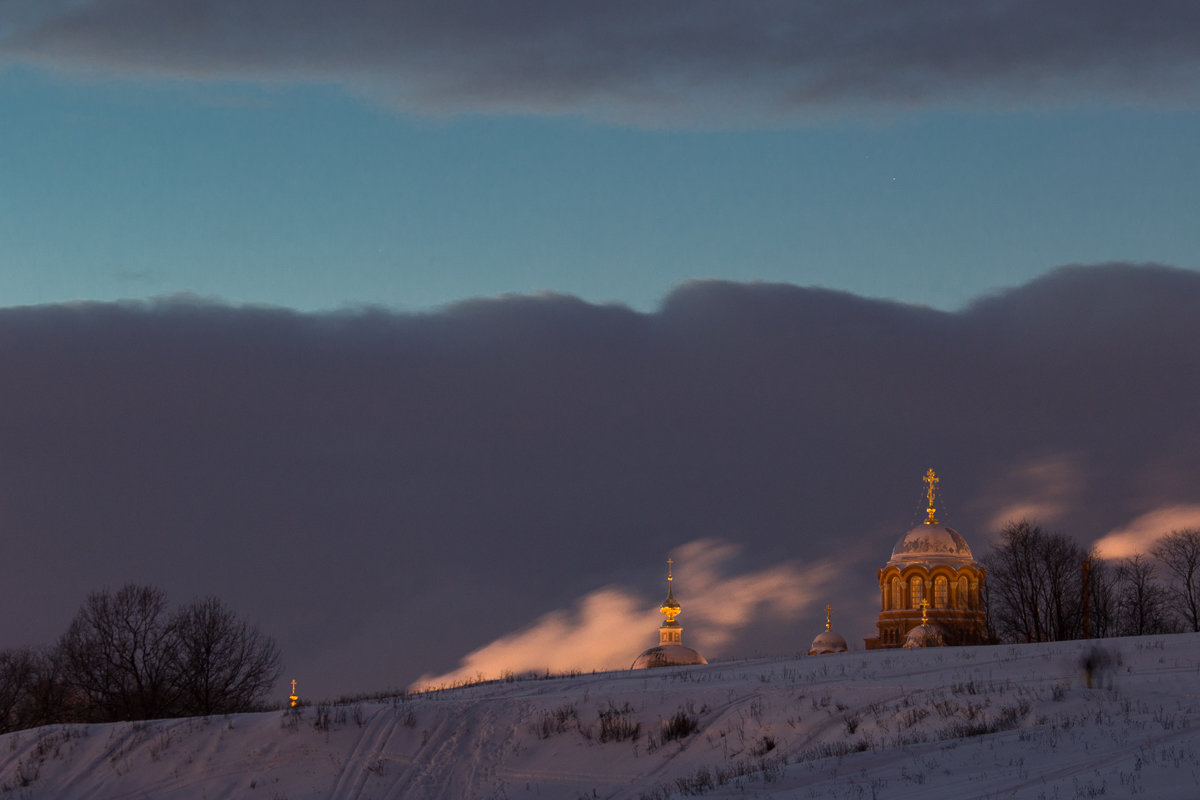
(652, 62)
(387, 492)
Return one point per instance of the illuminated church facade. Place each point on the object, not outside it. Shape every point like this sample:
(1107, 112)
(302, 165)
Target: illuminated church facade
(931, 589)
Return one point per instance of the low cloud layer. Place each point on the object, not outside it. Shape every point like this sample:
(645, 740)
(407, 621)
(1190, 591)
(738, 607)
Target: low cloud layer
(1140, 535)
(604, 628)
(388, 493)
(1044, 489)
(651, 63)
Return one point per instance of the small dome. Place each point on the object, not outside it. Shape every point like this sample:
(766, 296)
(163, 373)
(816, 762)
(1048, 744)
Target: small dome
(828, 642)
(925, 635)
(932, 542)
(668, 655)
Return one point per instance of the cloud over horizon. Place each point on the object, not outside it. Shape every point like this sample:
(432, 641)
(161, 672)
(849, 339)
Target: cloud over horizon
(657, 63)
(386, 493)
(1140, 534)
(605, 627)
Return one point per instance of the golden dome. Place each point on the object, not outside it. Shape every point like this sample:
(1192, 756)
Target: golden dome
(670, 607)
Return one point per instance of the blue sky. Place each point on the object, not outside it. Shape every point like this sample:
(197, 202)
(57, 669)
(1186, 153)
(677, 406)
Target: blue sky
(314, 190)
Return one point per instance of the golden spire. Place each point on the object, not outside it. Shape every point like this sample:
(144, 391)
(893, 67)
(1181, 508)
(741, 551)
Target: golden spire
(670, 607)
(828, 618)
(931, 479)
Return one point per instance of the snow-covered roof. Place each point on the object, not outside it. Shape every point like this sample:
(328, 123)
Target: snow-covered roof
(931, 543)
(668, 655)
(828, 642)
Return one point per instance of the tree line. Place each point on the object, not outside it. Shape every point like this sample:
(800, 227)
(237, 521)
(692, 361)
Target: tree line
(127, 656)
(1042, 586)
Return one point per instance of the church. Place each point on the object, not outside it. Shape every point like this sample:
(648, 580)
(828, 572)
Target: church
(931, 589)
(930, 595)
(670, 651)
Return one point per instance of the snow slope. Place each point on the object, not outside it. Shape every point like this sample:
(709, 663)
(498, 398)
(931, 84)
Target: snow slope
(1005, 721)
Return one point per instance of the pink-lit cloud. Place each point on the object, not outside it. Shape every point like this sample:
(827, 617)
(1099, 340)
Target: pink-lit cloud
(721, 606)
(609, 627)
(1042, 490)
(1141, 534)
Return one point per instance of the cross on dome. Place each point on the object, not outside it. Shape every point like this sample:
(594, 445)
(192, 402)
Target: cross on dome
(931, 480)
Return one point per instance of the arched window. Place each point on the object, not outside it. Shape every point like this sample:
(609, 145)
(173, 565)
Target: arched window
(941, 592)
(897, 598)
(918, 591)
(964, 598)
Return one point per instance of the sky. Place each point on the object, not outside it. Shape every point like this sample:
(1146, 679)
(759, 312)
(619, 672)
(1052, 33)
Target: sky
(319, 156)
(440, 329)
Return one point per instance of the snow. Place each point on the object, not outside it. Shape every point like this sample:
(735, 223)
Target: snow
(969, 722)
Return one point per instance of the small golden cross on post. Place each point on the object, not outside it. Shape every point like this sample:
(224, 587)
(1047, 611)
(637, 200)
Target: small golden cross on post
(925, 611)
(670, 562)
(828, 618)
(932, 480)
(294, 698)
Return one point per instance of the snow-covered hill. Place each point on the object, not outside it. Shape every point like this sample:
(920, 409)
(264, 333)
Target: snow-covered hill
(1005, 721)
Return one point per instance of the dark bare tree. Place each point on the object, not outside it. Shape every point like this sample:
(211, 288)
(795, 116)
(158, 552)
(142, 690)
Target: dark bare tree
(1034, 584)
(220, 663)
(124, 657)
(1179, 554)
(1102, 596)
(1141, 603)
(117, 654)
(17, 673)
(49, 699)
(1062, 570)
(1014, 598)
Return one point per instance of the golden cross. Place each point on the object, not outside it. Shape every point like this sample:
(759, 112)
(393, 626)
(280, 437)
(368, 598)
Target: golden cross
(932, 479)
(293, 685)
(670, 561)
(828, 618)
(925, 611)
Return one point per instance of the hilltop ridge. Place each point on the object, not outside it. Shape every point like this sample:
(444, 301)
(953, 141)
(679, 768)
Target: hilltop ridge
(998, 721)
